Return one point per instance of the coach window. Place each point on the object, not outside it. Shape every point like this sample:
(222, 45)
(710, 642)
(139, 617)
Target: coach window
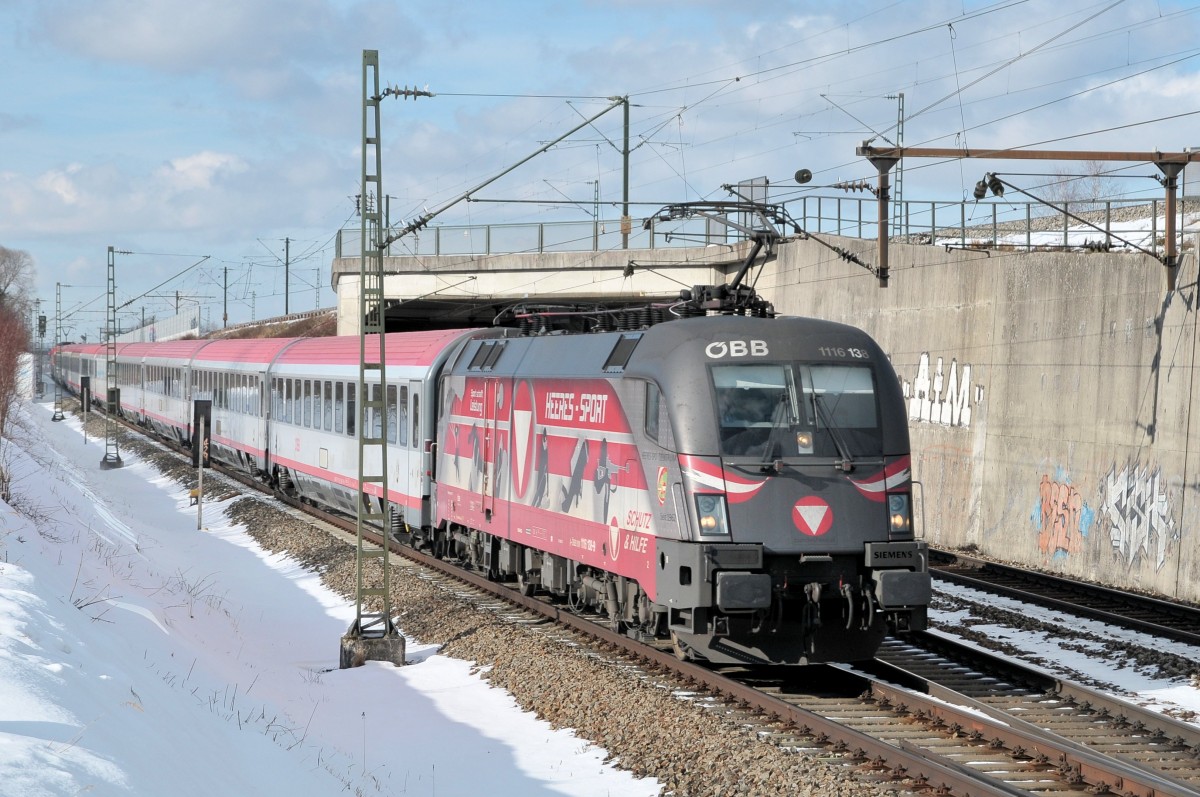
(328, 400)
(416, 418)
(289, 401)
(392, 419)
(402, 421)
(318, 405)
(376, 423)
(307, 403)
(339, 406)
(350, 409)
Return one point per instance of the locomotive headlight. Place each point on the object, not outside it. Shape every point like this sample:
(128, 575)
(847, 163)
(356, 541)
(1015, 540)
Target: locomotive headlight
(711, 514)
(804, 442)
(899, 513)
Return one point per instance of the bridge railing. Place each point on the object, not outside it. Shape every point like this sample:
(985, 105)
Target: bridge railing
(1000, 223)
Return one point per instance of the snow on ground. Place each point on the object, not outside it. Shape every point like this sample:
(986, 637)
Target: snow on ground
(140, 656)
(1127, 236)
(1080, 653)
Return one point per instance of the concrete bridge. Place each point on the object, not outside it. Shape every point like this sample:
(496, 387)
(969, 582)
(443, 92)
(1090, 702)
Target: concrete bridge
(471, 290)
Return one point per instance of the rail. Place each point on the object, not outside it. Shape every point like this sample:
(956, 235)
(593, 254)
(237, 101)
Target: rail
(1028, 226)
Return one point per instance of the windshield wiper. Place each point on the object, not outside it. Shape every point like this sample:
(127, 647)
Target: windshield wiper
(771, 463)
(846, 464)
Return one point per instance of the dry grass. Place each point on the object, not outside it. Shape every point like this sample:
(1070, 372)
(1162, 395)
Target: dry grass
(312, 327)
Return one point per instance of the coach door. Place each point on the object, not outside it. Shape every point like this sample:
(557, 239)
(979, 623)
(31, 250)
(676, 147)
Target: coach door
(493, 397)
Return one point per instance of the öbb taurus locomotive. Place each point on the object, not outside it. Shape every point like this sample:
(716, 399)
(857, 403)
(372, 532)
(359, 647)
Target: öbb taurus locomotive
(739, 484)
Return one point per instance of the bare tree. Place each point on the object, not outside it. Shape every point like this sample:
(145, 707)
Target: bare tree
(14, 342)
(1089, 183)
(16, 278)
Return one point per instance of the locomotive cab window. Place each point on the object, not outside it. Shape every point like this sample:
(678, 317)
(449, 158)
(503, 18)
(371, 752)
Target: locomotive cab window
(795, 410)
(653, 400)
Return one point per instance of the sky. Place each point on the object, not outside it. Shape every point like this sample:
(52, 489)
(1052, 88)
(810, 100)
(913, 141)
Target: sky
(140, 656)
(216, 141)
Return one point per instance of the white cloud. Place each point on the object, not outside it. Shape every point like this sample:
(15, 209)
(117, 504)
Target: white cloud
(61, 183)
(199, 170)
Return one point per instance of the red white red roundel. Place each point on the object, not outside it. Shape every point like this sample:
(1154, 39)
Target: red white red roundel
(523, 438)
(812, 516)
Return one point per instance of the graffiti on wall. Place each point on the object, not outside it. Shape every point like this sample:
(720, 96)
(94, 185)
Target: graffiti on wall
(1135, 506)
(1062, 517)
(940, 395)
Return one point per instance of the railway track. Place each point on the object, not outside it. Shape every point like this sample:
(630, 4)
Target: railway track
(1023, 696)
(912, 728)
(1163, 619)
(897, 724)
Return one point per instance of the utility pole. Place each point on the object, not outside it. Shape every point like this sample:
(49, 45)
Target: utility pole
(287, 293)
(626, 222)
(112, 396)
(373, 635)
(898, 195)
(225, 304)
(58, 405)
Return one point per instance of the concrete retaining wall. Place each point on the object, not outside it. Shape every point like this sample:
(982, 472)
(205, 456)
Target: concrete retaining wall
(1051, 399)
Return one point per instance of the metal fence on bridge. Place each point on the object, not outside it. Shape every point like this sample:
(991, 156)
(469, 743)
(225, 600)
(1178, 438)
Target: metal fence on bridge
(1013, 225)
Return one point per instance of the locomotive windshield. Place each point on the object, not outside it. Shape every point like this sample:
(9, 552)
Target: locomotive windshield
(797, 409)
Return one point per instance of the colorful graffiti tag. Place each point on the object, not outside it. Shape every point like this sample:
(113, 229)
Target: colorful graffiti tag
(1135, 506)
(940, 397)
(1062, 517)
